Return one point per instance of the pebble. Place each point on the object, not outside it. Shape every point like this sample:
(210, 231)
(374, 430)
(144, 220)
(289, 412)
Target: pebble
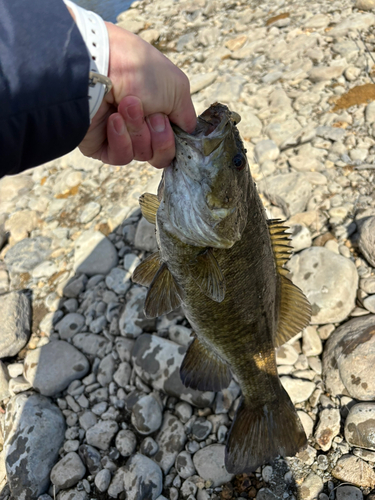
(68, 471)
(33, 434)
(25, 255)
(145, 236)
(100, 435)
(146, 415)
(359, 429)
(266, 150)
(328, 427)
(126, 442)
(353, 470)
(184, 465)
(209, 463)
(71, 324)
(118, 280)
(15, 316)
(90, 456)
(329, 280)
(299, 390)
(342, 372)
(311, 342)
(347, 492)
(89, 212)
(94, 254)
(311, 487)
(366, 240)
(102, 480)
(51, 368)
(132, 320)
(170, 439)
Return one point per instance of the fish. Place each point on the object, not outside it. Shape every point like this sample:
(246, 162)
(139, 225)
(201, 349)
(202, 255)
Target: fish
(221, 260)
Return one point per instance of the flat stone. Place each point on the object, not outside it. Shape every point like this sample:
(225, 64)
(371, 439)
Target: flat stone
(132, 321)
(101, 434)
(286, 355)
(355, 22)
(328, 280)
(20, 224)
(27, 254)
(348, 359)
(71, 324)
(351, 469)
(44, 270)
(307, 423)
(370, 113)
(359, 426)
(145, 236)
(91, 344)
(201, 81)
(299, 390)
(68, 471)
(311, 342)
(51, 368)
(126, 442)
(347, 492)
(290, 192)
(33, 434)
(157, 361)
(72, 494)
(266, 150)
(106, 370)
(328, 427)
(317, 21)
(366, 239)
(15, 314)
(210, 464)
(118, 280)
(303, 163)
(146, 415)
(311, 487)
(171, 439)
(322, 73)
(94, 254)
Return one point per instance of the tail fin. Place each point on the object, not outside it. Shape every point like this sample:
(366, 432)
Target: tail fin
(259, 434)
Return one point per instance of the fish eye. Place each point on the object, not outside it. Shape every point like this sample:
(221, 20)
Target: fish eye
(239, 162)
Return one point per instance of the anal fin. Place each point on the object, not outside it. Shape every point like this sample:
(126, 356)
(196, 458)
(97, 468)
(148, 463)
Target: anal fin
(149, 204)
(146, 271)
(164, 294)
(206, 271)
(203, 370)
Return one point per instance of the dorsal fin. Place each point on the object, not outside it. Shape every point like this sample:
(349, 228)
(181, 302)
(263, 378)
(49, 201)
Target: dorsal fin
(146, 271)
(202, 369)
(164, 294)
(295, 309)
(149, 206)
(206, 271)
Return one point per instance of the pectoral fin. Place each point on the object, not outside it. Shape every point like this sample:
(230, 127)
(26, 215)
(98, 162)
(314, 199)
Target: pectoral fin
(149, 206)
(206, 271)
(202, 369)
(295, 309)
(146, 271)
(295, 312)
(164, 294)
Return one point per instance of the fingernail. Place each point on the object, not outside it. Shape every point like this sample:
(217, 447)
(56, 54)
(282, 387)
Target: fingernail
(157, 122)
(134, 111)
(119, 125)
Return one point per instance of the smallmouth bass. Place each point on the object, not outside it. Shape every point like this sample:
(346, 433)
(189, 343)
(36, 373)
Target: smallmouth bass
(223, 262)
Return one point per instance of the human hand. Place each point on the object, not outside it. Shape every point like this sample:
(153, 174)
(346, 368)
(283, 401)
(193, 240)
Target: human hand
(133, 119)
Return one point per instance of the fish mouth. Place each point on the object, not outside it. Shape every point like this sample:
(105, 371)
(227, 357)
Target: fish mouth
(210, 131)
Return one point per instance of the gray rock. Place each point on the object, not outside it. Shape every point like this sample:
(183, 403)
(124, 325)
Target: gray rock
(157, 361)
(359, 426)
(183, 411)
(201, 429)
(27, 254)
(126, 442)
(145, 236)
(68, 471)
(146, 415)
(33, 434)
(102, 480)
(143, 479)
(149, 447)
(301, 237)
(4, 382)
(124, 348)
(351, 469)
(72, 494)
(291, 192)
(184, 465)
(347, 492)
(328, 280)
(106, 370)
(311, 487)
(328, 427)
(91, 344)
(91, 458)
(210, 465)
(132, 321)
(366, 239)
(15, 317)
(87, 420)
(118, 280)
(75, 286)
(171, 440)
(71, 324)
(181, 335)
(51, 368)
(266, 150)
(299, 390)
(342, 372)
(122, 374)
(101, 434)
(94, 254)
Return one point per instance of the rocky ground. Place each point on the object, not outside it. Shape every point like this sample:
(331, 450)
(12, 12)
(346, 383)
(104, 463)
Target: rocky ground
(91, 402)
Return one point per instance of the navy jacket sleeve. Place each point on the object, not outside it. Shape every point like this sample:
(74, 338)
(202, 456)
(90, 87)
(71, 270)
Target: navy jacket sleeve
(44, 67)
